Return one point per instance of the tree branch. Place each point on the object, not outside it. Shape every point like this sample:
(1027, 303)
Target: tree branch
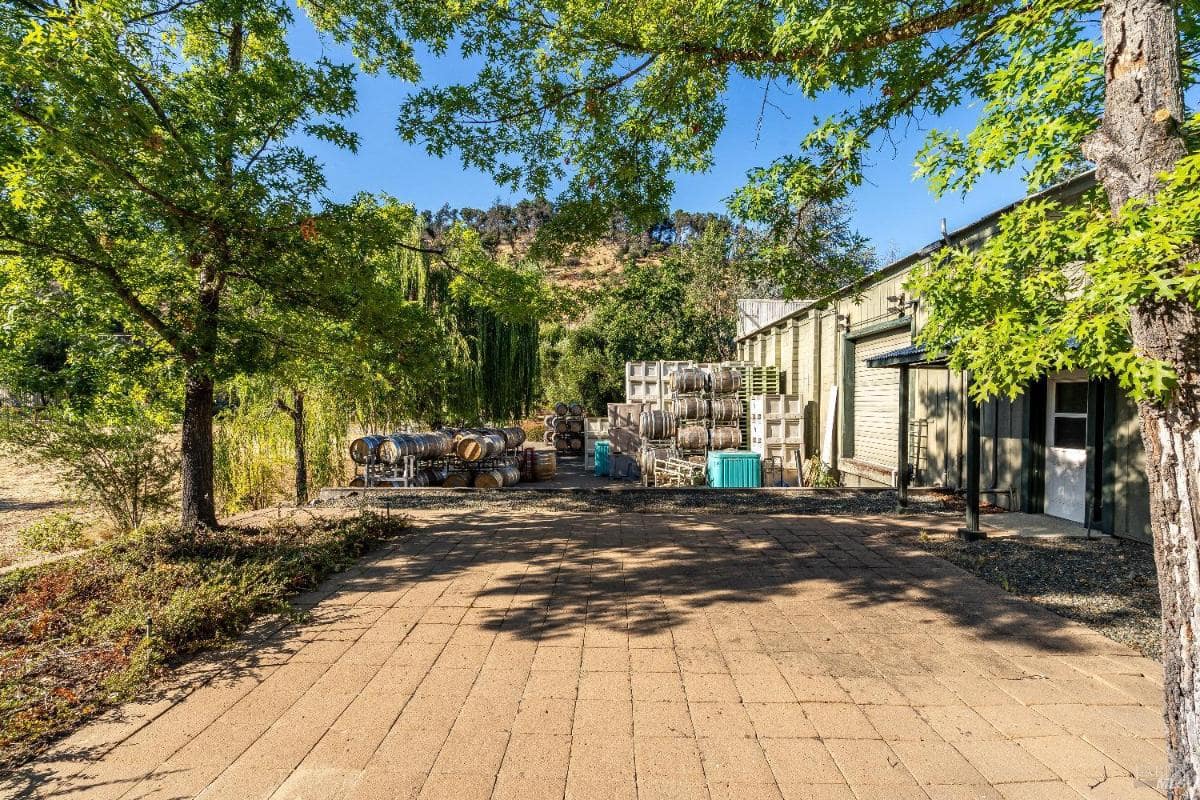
(119, 287)
(902, 32)
(166, 122)
(601, 87)
(132, 179)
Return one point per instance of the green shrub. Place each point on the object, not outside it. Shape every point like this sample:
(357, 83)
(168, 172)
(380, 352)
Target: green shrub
(54, 533)
(817, 474)
(121, 458)
(92, 630)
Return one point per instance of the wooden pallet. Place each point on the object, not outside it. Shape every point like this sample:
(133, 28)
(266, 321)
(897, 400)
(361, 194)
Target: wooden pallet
(678, 472)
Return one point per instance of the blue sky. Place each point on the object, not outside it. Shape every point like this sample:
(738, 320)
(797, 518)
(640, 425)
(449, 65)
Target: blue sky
(897, 213)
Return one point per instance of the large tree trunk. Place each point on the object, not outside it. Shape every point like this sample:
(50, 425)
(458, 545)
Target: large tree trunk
(196, 455)
(1139, 140)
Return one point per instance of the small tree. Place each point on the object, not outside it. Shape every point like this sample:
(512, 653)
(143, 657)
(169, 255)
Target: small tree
(149, 157)
(118, 457)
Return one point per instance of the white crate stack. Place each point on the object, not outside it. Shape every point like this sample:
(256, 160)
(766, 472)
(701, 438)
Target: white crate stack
(777, 428)
(646, 381)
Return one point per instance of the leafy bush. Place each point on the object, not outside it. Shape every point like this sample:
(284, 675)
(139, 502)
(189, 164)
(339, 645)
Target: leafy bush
(54, 533)
(818, 475)
(74, 636)
(118, 458)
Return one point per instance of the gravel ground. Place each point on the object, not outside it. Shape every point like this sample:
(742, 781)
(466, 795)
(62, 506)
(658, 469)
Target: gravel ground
(656, 501)
(1109, 585)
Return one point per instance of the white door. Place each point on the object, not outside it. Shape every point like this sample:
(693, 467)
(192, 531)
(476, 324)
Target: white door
(1066, 448)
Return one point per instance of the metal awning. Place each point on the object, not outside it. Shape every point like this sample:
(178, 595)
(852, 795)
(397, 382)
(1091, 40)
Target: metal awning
(913, 355)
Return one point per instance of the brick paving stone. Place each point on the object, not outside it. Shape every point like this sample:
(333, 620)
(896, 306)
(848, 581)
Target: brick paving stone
(527, 655)
(815, 791)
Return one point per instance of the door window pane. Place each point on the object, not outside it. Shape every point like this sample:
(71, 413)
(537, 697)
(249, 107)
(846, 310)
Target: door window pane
(1070, 432)
(1070, 398)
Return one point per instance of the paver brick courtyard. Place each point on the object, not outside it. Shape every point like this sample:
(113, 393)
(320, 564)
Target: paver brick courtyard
(621, 655)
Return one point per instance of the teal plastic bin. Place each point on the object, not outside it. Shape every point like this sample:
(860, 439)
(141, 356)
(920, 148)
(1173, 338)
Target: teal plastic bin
(734, 469)
(602, 459)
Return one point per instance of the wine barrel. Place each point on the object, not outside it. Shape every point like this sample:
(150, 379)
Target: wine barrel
(575, 410)
(489, 479)
(365, 449)
(657, 424)
(473, 447)
(693, 437)
(456, 479)
(433, 476)
(442, 444)
(513, 437)
(561, 424)
(688, 379)
(726, 438)
(691, 408)
(575, 426)
(561, 443)
(394, 448)
(358, 480)
(545, 466)
(725, 380)
(726, 409)
(575, 442)
(512, 475)
(561, 409)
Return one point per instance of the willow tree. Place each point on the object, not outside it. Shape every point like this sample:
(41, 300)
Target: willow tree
(605, 99)
(487, 310)
(149, 155)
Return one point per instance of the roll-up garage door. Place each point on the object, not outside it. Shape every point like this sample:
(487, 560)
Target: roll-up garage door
(876, 399)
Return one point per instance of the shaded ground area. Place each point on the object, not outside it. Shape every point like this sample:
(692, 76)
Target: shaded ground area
(1110, 585)
(519, 654)
(656, 501)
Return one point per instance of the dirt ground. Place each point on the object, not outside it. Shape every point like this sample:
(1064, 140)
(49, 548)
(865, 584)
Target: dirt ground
(28, 493)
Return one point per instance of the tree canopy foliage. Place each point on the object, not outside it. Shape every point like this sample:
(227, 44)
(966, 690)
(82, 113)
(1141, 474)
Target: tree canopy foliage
(607, 101)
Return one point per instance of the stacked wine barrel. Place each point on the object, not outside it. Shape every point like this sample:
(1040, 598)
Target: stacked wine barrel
(392, 448)
(564, 429)
(449, 457)
(691, 406)
(726, 408)
(402, 459)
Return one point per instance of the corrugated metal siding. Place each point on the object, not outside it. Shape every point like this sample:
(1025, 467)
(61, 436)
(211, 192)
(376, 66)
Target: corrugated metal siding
(753, 314)
(876, 392)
